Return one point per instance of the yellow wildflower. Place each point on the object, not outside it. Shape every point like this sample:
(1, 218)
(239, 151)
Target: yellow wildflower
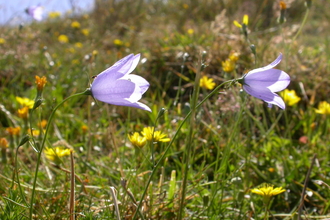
(233, 56)
(63, 39)
(75, 62)
(95, 53)
(75, 24)
(25, 102)
(13, 131)
(2, 41)
(78, 45)
(267, 190)
(282, 5)
(207, 83)
(34, 132)
(85, 32)
(185, 6)
(290, 97)
(271, 169)
(118, 42)
(245, 22)
(137, 140)
(54, 14)
(41, 82)
(55, 154)
(23, 112)
(228, 66)
(70, 50)
(158, 136)
(42, 124)
(324, 108)
(84, 128)
(3, 143)
(190, 31)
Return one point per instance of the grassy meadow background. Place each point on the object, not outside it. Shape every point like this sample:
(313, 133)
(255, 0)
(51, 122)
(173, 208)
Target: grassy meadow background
(235, 142)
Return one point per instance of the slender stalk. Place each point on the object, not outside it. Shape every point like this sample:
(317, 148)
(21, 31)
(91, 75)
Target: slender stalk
(172, 141)
(301, 26)
(302, 198)
(43, 145)
(188, 150)
(72, 190)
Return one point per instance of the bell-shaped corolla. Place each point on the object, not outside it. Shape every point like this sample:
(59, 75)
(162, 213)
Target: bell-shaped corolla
(263, 82)
(117, 86)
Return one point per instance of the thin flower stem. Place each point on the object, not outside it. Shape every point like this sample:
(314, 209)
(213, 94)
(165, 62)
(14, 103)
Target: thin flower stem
(302, 25)
(188, 150)
(43, 145)
(172, 141)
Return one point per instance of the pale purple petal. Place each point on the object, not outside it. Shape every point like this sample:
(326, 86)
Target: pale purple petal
(266, 95)
(113, 91)
(116, 86)
(274, 79)
(115, 71)
(139, 81)
(139, 105)
(35, 12)
(269, 66)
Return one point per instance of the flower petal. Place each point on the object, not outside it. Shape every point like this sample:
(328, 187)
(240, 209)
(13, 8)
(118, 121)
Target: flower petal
(139, 81)
(117, 70)
(266, 95)
(113, 91)
(274, 79)
(269, 66)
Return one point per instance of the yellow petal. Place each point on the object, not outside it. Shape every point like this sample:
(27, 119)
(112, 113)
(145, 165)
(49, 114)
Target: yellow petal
(237, 24)
(245, 19)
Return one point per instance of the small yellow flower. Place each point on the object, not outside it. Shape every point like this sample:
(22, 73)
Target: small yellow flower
(158, 136)
(41, 82)
(34, 132)
(271, 169)
(267, 190)
(78, 45)
(118, 42)
(190, 31)
(2, 41)
(84, 128)
(207, 83)
(137, 140)
(245, 22)
(25, 102)
(95, 53)
(42, 124)
(23, 112)
(55, 154)
(3, 143)
(75, 24)
(54, 14)
(233, 56)
(13, 131)
(75, 61)
(85, 32)
(63, 39)
(185, 6)
(324, 108)
(282, 5)
(228, 66)
(290, 97)
(70, 50)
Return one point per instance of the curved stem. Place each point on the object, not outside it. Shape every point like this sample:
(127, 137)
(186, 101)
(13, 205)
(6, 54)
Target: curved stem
(43, 145)
(302, 25)
(171, 142)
